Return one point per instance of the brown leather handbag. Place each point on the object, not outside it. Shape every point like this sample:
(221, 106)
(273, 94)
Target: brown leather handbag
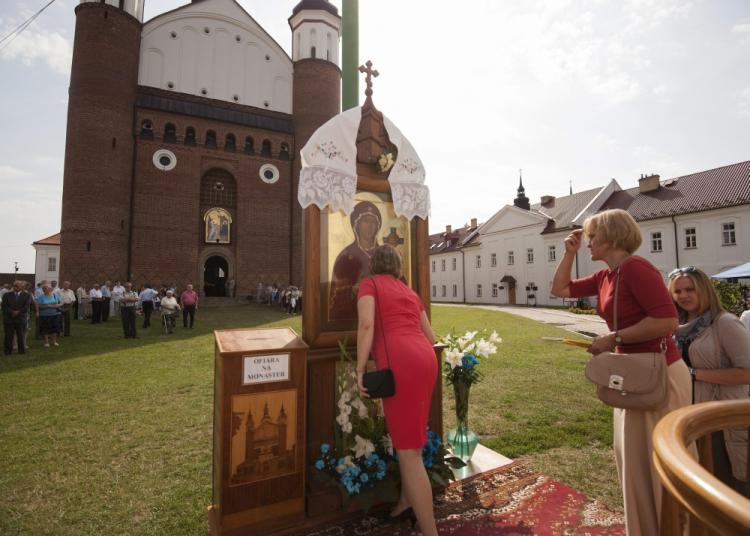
(630, 381)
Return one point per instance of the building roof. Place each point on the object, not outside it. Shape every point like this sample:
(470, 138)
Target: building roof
(53, 240)
(563, 210)
(446, 242)
(722, 187)
(323, 5)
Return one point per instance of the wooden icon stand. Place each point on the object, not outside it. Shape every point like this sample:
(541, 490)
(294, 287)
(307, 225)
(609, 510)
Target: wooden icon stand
(321, 329)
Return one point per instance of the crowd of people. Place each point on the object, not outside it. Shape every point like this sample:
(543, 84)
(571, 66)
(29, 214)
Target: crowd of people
(51, 309)
(288, 298)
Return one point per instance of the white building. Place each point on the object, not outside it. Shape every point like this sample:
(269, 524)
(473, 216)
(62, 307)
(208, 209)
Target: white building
(47, 265)
(702, 219)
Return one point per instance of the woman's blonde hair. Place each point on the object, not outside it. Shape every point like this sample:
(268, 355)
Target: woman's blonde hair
(704, 288)
(386, 260)
(616, 227)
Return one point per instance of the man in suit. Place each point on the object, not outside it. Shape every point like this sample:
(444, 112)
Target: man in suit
(15, 305)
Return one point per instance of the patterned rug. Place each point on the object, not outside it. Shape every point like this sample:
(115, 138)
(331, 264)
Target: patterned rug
(508, 500)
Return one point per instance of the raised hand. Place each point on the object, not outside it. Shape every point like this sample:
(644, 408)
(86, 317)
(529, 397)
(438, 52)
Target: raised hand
(573, 241)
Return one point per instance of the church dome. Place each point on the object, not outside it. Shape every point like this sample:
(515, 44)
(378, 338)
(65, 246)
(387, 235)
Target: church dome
(323, 5)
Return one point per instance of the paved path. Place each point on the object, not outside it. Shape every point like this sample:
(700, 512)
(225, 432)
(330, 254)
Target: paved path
(586, 324)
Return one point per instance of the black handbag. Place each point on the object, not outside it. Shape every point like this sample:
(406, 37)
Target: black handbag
(380, 383)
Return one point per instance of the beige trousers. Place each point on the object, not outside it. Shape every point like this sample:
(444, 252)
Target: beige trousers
(641, 487)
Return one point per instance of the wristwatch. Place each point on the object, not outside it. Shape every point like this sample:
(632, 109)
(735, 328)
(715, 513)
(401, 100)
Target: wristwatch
(618, 339)
(693, 372)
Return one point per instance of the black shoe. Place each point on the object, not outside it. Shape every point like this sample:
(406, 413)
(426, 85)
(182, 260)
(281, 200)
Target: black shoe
(406, 514)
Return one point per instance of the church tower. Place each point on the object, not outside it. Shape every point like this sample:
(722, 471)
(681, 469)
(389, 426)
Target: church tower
(100, 141)
(281, 424)
(316, 95)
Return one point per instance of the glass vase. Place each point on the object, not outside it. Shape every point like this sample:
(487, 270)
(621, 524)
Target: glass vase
(462, 440)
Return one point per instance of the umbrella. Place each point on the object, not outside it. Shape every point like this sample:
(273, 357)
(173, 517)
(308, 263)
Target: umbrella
(738, 272)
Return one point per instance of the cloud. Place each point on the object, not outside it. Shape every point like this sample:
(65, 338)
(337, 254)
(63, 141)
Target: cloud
(9, 173)
(36, 44)
(744, 102)
(650, 14)
(743, 29)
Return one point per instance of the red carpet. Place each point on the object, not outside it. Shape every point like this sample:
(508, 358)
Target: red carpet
(508, 500)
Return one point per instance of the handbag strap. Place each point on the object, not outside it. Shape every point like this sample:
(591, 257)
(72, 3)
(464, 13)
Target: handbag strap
(382, 331)
(663, 342)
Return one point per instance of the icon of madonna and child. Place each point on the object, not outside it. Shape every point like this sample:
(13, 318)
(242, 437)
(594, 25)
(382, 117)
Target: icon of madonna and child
(371, 224)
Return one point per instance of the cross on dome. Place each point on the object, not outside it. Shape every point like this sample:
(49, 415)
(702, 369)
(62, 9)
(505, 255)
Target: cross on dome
(367, 68)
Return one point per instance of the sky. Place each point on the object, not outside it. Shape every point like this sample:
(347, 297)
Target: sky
(569, 91)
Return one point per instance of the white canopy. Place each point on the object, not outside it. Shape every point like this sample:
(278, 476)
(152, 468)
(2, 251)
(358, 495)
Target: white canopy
(738, 272)
(329, 168)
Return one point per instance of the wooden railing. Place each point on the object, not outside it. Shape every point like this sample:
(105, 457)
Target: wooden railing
(690, 486)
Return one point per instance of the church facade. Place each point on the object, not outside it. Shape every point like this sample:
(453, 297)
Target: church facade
(182, 136)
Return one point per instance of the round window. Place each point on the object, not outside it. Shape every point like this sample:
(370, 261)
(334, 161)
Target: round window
(164, 160)
(269, 173)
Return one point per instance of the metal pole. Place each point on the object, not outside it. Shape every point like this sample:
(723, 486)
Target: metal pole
(350, 55)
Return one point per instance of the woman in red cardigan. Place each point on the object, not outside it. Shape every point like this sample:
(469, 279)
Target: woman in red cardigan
(646, 319)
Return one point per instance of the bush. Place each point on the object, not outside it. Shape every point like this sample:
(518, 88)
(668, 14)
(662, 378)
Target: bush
(580, 311)
(730, 295)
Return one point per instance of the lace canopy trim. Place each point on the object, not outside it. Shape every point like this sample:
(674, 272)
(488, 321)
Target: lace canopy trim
(329, 169)
(326, 187)
(410, 200)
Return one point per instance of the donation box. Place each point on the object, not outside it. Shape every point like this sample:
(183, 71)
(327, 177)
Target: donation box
(259, 431)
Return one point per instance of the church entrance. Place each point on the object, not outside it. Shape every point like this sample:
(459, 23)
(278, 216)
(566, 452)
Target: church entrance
(215, 274)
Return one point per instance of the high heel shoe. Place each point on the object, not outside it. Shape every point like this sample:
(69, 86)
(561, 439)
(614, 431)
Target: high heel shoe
(405, 514)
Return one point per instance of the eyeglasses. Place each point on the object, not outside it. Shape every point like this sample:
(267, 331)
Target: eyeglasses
(683, 270)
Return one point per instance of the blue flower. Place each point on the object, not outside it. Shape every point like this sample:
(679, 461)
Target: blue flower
(380, 475)
(325, 447)
(319, 465)
(341, 461)
(363, 477)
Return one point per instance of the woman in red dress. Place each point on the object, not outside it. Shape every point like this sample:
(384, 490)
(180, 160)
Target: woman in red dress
(646, 319)
(391, 313)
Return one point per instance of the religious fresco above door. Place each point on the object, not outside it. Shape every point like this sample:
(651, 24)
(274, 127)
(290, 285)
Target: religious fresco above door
(263, 436)
(347, 242)
(218, 226)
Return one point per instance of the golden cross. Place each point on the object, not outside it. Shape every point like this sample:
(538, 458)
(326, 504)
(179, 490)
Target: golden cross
(367, 68)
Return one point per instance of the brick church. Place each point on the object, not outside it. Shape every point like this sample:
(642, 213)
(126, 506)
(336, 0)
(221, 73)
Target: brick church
(183, 133)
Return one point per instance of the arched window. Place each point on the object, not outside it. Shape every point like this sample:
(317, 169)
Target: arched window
(249, 145)
(189, 136)
(313, 42)
(229, 143)
(284, 152)
(218, 189)
(147, 130)
(170, 133)
(211, 139)
(266, 148)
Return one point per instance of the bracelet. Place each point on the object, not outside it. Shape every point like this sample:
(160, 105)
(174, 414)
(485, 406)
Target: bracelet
(693, 372)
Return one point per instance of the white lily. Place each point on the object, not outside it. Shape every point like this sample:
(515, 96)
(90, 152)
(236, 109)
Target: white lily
(387, 444)
(494, 337)
(453, 357)
(485, 348)
(362, 447)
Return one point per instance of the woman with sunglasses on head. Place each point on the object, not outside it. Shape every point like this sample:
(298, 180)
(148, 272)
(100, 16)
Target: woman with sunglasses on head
(646, 318)
(716, 347)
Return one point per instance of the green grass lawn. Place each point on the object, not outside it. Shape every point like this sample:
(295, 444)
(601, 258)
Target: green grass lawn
(106, 435)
